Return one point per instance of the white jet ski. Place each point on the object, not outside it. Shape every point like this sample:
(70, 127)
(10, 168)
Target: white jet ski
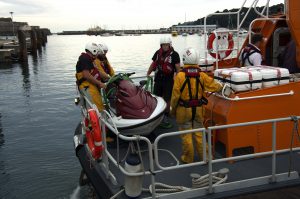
(133, 109)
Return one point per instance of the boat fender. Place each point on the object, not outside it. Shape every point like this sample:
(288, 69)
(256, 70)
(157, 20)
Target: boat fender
(133, 184)
(94, 135)
(221, 55)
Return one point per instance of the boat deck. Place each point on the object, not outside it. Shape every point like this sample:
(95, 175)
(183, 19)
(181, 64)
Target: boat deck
(280, 193)
(238, 170)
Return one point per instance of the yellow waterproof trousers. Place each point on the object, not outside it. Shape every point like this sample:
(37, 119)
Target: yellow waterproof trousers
(93, 94)
(187, 142)
(184, 122)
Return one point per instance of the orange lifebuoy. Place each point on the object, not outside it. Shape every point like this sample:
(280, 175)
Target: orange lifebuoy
(94, 134)
(221, 55)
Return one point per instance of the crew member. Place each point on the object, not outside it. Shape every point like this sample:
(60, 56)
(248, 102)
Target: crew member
(104, 68)
(187, 102)
(86, 74)
(251, 54)
(102, 62)
(165, 62)
(289, 59)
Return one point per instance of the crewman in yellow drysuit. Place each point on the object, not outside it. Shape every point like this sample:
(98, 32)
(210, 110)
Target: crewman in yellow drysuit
(86, 75)
(103, 64)
(187, 102)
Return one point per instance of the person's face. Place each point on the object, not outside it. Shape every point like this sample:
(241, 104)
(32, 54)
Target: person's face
(165, 47)
(258, 43)
(92, 56)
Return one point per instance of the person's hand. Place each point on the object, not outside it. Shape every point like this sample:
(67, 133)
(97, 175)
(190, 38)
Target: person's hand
(172, 112)
(101, 85)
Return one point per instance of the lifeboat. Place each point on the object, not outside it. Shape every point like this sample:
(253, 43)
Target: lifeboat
(256, 117)
(256, 97)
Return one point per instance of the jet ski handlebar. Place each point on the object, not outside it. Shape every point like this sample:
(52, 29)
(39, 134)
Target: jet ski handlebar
(129, 74)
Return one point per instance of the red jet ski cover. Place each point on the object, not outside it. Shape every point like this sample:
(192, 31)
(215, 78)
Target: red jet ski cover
(134, 102)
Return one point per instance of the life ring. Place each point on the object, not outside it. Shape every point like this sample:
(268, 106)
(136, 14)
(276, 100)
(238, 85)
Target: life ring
(223, 54)
(94, 134)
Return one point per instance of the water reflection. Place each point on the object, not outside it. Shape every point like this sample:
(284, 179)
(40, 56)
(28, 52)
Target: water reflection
(35, 62)
(26, 79)
(6, 65)
(1, 134)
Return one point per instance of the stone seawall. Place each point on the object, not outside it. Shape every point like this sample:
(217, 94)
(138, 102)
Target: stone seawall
(7, 27)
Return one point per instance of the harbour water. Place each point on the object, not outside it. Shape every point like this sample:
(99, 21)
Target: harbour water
(38, 116)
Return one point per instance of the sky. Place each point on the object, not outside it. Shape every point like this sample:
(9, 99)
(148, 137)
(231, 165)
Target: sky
(60, 15)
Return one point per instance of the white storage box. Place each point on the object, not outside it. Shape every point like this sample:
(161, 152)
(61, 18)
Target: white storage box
(206, 65)
(272, 76)
(239, 79)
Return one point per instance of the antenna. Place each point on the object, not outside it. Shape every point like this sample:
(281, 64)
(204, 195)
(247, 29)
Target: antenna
(12, 21)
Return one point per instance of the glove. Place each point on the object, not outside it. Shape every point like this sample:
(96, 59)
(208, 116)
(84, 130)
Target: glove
(172, 111)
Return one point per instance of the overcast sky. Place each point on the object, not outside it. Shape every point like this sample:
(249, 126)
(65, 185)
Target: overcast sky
(59, 15)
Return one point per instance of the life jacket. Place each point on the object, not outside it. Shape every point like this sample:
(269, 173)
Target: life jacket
(163, 61)
(247, 52)
(104, 64)
(105, 67)
(193, 102)
(94, 72)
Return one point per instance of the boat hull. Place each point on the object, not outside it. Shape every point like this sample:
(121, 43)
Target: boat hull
(97, 179)
(230, 112)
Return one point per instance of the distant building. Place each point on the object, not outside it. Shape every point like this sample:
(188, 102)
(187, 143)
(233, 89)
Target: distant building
(163, 30)
(6, 27)
(193, 28)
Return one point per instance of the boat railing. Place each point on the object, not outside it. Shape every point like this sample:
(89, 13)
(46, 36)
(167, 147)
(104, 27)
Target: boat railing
(238, 25)
(103, 117)
(137, 138)
(262, 19)
(165, 135)
(237, 98)
(261, 180)
(153, 155)
(273, 153)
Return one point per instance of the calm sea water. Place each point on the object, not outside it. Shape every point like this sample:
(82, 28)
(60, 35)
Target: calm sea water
(38, 116)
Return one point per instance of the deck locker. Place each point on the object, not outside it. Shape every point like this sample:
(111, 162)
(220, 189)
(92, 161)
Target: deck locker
(272, 76)
(239, 79)
(252, 77)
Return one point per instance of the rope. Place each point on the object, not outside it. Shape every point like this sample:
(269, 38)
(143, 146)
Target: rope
(127, 153)
(197, 182)
(166, 188)
(203, 181)
(139, 151)
(117, 194)
(295, 131)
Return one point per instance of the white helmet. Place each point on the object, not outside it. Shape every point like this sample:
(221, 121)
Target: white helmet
(104, 47)
(92, 48)
(165, 40)
(190, 56)
(100, 49)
